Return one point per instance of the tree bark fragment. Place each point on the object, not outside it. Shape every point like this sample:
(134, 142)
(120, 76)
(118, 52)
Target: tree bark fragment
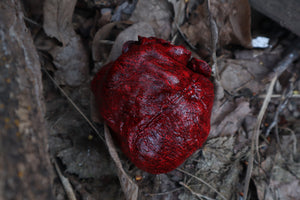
(25, 169)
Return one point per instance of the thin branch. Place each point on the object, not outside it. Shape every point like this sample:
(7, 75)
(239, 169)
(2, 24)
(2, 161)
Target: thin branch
(283, 103)
(284, 63)
(262, 113)
(32, 21)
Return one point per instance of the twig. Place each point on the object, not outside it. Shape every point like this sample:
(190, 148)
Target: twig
(31, 21)
(202, 181)
(74, 105)
(284, 63)
(65, 182)
(200, 196)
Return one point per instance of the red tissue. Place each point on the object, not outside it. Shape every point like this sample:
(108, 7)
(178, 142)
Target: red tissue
(157, 100)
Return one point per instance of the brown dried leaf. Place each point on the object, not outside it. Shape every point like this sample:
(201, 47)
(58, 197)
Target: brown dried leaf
(131, 33)
(71, 59)
(72, 62)
(240, 21)
(240, 74)
(155, 12)
(100, 50)
(247, 69)
(58, 19)
(179, 13)
(227, 118)
(232, 19)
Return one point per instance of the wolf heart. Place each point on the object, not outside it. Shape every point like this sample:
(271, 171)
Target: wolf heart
(157, 101)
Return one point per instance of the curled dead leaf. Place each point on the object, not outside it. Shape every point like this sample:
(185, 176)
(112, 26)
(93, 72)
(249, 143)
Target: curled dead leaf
(232, 18)
(100, 45)
(131, 33)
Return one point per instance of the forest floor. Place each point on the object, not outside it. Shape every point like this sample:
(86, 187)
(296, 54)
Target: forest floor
(253, 147)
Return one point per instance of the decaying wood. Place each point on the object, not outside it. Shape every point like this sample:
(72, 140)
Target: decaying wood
(25, 170)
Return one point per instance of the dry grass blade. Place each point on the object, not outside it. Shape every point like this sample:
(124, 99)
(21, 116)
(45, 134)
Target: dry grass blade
(74, 105)
(66, 183)
(202, 181)
(262, 113)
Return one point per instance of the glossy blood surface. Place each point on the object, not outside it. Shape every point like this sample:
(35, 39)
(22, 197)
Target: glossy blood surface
(157, 101)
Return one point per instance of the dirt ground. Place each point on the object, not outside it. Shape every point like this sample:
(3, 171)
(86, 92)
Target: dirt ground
(253, 149)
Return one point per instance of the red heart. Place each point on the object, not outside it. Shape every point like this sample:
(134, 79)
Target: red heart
(157, 101)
